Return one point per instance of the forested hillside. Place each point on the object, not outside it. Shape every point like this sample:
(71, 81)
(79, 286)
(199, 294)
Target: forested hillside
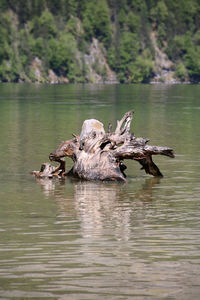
(127, 41)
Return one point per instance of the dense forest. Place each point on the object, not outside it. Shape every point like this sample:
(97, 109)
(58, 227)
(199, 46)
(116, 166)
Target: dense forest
(128, 41)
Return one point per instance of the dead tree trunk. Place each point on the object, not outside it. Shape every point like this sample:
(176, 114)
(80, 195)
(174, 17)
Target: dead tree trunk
(98, 155)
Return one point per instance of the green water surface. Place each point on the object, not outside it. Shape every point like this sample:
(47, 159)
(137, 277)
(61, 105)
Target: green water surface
(88, 240)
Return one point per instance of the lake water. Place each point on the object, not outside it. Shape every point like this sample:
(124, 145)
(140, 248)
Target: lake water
(88, 240)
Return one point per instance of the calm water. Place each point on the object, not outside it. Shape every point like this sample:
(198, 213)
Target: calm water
(87, 240)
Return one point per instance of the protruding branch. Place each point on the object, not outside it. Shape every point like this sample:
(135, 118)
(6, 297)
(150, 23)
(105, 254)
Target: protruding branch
(154, 150)
(66, 148)
(149, 166)
(139, 151)
(127, 118)
(130, 150)
(46, 170)
(109, 128)
(122, 131)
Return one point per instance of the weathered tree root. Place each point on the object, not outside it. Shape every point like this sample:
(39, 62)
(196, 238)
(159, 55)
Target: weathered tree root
(98, 155)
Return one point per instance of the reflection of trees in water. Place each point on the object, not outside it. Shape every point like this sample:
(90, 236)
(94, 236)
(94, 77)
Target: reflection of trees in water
(103, 209)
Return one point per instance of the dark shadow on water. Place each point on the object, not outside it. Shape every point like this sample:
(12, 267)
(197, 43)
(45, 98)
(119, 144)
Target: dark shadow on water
(145, 194)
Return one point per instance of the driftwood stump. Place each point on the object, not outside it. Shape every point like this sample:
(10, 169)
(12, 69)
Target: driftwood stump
(98, 155)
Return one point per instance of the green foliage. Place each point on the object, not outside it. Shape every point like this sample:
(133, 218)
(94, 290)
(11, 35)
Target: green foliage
(159, 13)
(96, 21)
(60, 32)
(5, 40)
(187, 50)
(133, 22)
(176, 47)
(37, 46)
(197, 37)
(3, 5)
(111, 57)
(192, 63)
(4, 71)
(64, 8)
(141, 69)
(181, 71)
(26, 9)
(44, 26)
(26, 42)
(9, 70)
(161, 34)
(8, 63)
(129, 47)
(61, 55)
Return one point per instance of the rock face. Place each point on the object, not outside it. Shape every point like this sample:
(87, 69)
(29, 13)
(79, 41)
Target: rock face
(36, 70)
(97, 69)
(94, 63)
(163, 66)
(38, 74)
(53, 78)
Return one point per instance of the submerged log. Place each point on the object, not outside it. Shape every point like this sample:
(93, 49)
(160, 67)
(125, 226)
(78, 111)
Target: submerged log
(98, 155)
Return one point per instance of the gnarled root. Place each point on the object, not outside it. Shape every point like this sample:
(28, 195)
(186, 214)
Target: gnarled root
(98, 155)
